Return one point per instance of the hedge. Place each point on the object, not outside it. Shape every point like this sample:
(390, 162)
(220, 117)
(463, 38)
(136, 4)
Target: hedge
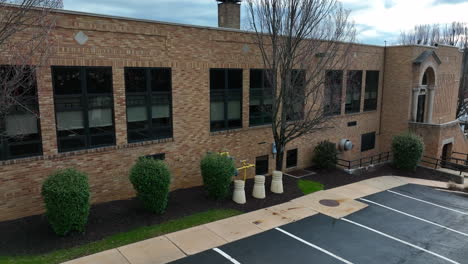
(67, 201)
(407, 151)
(151, 180)
(325, 155)
(217, 172)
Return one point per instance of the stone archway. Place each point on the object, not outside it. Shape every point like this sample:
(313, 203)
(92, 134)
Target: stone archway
(423, 96)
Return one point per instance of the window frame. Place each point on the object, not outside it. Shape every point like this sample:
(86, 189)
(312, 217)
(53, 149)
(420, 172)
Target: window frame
(84, 107)
(292, 116)
(5, 144)
(350, 90)
(149, 93)
(371, 104)
(288, 166)
(366, 146)
(226, 93)
(329, 98)
(263, 91)
(267, 165)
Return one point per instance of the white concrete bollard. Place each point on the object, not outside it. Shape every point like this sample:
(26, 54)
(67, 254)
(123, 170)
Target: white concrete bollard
(277, 182)
(259, 187)
(239, 192)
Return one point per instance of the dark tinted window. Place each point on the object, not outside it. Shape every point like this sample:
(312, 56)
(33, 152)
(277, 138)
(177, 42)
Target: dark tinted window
(84, 117)
(372, 88)
(333, 88)
(353, 92)
(261, 98)
(20, 134)
(135, 80)
(367, 141)
(149, 104)
(67, 80)
(161, 79)
(99, 80)
(261, 165)
(217, 79)
(295, 98)
(291, 158)
(225, 99)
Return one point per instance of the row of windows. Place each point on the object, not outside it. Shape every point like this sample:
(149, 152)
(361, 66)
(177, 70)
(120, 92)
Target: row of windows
(334, 86)
(84, 105)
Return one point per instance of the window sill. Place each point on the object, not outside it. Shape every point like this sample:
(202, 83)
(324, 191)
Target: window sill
(227, 131)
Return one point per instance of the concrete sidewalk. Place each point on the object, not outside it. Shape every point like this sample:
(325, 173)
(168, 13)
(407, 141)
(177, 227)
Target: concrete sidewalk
(177, 245)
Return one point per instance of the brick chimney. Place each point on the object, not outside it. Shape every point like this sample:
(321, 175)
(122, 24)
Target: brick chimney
(229, 13)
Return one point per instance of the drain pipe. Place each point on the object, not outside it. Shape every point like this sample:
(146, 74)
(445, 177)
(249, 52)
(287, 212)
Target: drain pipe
(383, 88)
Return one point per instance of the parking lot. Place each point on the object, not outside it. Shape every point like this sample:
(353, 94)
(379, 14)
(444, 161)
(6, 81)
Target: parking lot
(407, 224)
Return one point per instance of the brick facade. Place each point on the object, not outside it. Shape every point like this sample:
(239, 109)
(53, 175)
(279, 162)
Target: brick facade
(190, 52)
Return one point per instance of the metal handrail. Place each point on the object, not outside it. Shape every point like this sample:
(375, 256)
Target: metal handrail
(445, 163)
(366, 161)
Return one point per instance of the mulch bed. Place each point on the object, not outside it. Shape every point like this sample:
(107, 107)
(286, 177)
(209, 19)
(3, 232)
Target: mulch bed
(32, 235)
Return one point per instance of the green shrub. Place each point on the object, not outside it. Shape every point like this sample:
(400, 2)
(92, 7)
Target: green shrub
(325, 155)
(217, 172)
(407, 151)
(66, 197)
(151, 180)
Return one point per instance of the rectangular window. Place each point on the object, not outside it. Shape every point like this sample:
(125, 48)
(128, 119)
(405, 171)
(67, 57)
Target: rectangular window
(84, 107)
(20, 134)
(225, 99)
(149, 103)
(261, 165)
(261, 98)
(294, 99)
(372, 89)
(353, 92)
(367, 141)
(291, 158)
(333, 88)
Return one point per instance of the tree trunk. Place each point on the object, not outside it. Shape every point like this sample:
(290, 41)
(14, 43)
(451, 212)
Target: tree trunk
(279, 157)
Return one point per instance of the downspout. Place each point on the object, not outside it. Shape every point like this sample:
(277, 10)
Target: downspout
(383, 87)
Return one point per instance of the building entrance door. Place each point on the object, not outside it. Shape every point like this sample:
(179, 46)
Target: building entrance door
(446, 155)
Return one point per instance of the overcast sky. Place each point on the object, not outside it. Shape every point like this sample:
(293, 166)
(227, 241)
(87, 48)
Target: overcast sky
(376, 20)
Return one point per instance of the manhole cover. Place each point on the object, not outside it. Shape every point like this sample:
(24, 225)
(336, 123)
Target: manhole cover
(330, 203)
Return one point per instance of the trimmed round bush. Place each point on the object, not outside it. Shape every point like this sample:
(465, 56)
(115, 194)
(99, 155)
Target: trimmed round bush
(407, 151)
(151, 180)
(217, 172)
(66, 197)
(325, 155)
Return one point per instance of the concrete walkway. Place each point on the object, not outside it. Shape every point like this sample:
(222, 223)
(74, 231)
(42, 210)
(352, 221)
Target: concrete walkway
(177, 245)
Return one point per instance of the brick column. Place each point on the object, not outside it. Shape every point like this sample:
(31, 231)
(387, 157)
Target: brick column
(430, 105)
(120, 112)
(45, 94)
(414, 107)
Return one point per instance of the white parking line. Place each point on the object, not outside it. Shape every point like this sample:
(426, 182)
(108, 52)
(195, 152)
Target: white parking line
(224, 254)
(401, 241)
(441, 206)
(314, 246)
(415, 217)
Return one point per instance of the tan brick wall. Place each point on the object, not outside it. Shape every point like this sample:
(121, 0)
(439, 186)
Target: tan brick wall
(190, 52)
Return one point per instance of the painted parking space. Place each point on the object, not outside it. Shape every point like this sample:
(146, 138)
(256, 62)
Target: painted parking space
(457, 202)
(441, 213)
(393, 229)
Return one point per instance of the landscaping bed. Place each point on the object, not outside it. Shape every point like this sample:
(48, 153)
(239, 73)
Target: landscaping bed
(33, 235)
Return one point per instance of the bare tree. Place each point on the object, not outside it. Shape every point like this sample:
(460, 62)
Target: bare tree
(299, 40)
(25, 45)
(453, 34)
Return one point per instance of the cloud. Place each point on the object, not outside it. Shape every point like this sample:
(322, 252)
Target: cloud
(377, 20)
